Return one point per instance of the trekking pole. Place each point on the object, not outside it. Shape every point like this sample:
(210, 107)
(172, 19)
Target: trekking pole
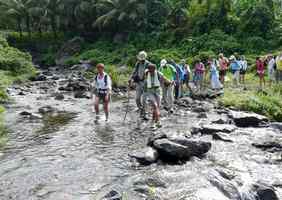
(127, 106)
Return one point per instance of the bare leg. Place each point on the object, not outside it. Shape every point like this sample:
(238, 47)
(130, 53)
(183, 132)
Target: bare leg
(106, 107)
(96, 105)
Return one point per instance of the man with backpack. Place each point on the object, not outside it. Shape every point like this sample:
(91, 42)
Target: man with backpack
(137, 77)
(102, 90)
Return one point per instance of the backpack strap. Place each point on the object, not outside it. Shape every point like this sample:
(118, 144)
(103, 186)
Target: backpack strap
(105, 79)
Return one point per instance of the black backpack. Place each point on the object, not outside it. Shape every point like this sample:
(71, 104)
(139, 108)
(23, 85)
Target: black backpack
(136, 78)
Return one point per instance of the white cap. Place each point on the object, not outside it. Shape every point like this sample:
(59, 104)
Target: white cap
(163, 62)
(232, 58)
(142, 55)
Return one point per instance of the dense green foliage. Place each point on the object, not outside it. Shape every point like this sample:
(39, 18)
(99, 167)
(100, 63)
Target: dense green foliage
(121, 18)
(14, 65)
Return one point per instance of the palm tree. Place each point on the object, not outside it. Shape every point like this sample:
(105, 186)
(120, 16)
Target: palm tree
(121, 14)
(54, 9)
(19, 9)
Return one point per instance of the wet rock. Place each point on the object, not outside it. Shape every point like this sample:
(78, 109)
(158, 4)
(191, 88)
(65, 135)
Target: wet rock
(222, 137)
(112, 195)
(82, 94)
(260, 191)
(202, 115)
(78, 85)
(243, 119)
(46, 109)
(145, 156)
(47, 73)
(199, 109)
(35, 116)
(214, 128)
(196, 129)
(25, 113)
(59, 96)
(276, 125)
(272, 146)
(55, 78)
(227, 187)
(21, 93)
(187, 100)
(29, 115)
(39, 77)
(181, 149)
(221, 121)
(153, 138)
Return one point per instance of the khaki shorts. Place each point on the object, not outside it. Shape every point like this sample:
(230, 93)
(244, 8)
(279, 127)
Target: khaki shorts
(152, 98)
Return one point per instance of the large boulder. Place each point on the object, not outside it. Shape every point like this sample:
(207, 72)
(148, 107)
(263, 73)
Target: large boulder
(69, 49)
(180, 149)
(243, 119)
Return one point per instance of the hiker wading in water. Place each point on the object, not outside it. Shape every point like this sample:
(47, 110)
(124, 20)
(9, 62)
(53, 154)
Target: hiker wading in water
(169, 72)
(137, 77)
(152, 95)
(102, 91)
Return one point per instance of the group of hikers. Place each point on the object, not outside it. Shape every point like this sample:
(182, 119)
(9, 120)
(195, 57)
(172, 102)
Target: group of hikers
(163, 85)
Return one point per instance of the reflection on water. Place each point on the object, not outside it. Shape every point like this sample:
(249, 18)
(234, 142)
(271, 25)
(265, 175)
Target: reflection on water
(53, 122)
(105, 134)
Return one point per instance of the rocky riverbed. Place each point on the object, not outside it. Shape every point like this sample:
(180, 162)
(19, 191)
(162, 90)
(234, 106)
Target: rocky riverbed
(203, 151)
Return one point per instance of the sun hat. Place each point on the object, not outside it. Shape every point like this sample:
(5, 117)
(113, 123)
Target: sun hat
(232, 57)
(163, 62)
(142, 56)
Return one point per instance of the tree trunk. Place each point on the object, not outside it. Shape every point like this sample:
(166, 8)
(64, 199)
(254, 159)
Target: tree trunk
(19, 22)
(53, 26)
(28, 25)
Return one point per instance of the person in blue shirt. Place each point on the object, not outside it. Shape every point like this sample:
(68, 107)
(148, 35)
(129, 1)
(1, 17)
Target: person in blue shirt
(235, 69)
(178, 79)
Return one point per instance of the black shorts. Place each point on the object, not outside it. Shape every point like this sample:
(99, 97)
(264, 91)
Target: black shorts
(101, 95)
(222, 72)
(243, 72)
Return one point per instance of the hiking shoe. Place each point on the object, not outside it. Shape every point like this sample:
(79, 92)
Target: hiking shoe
(158, 124)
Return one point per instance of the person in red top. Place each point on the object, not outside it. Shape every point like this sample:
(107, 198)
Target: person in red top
(260, 71)
(223, 66)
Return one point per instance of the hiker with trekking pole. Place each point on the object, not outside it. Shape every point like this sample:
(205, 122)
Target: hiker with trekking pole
(102, 88)
(152, 92)
(137, 77)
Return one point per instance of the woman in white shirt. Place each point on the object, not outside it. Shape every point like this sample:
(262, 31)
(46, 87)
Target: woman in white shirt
(270, 68)
(102, 91)
(244, 66)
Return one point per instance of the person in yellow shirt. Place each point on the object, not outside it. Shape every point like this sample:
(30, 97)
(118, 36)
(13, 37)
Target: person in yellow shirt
(279, 68)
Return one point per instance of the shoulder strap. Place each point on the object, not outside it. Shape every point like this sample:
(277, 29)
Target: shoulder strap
(105, 79)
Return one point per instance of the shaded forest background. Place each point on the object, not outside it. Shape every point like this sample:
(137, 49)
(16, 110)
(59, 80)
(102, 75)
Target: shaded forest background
(191, 26)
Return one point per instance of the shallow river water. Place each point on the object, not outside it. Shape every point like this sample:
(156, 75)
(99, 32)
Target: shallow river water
(66, 156)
